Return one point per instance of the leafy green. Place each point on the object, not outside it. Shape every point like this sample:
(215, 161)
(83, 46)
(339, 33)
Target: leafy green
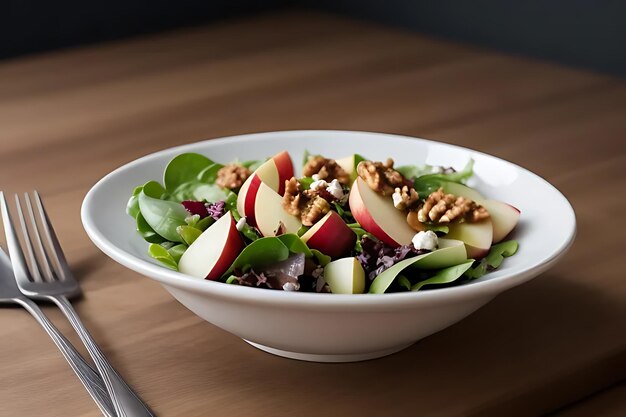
(302, 230)
(404, 282)
(161, 254)
(426, 184)
(444, 276)
(253, 165)
(437, 228)
(295, 244)
(197, 191)
(191, 176)
(270, 250)
(132, 207)
(360, 232)
(494, 258)
(261, 252)
(346, 215)
(209, 174)
(184, 168)
(305, 182)
(177, 251)
(305, 157)
(163, 216)
(146, 231)
(322, 259)
(444, 257)
(154, 189)
(414, 171)
(230, 204)
(188, 233)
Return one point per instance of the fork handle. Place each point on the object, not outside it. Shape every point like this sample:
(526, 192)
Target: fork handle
(125, 401)
(90, 379)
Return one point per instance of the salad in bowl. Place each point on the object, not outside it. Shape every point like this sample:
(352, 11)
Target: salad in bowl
(348, 226)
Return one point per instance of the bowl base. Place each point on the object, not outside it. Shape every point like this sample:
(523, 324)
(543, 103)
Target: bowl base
(329, 358)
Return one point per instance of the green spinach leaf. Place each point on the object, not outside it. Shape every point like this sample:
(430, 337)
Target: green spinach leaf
(444, 276)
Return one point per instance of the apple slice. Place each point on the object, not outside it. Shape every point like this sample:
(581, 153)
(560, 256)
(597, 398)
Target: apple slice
(463, 191)
(476, 236)
(274, 172)
(345, 276)
(270, 214)
(212, 253)
(330, 235)
(377, 215)
(504, 218)
(349, 164)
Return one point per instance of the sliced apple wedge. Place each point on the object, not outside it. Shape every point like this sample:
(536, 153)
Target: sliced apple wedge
(212, 253)
(345, 276)
(463, 191)
(377, 215)
(476, 236)
(349, 164)
(270, 214)
(274, 172)
(504, 218)
(330, 235)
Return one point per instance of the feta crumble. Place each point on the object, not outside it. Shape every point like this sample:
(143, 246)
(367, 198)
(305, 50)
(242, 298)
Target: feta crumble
(425, 240)
(240, 224)
(335, 189)
(397, 199)
(291, 286)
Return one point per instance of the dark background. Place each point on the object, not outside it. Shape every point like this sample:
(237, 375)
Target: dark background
(583, 33)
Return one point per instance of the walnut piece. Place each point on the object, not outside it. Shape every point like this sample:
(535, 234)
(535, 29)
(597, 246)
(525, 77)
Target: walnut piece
(314, 210)
(405, 197)
(326, 169)
(440, 207)
(292, 197)
(380, 177)
(232, 176)
(307, 204)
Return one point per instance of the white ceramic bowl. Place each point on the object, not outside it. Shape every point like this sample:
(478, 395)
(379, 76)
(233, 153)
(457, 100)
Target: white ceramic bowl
(334, 327)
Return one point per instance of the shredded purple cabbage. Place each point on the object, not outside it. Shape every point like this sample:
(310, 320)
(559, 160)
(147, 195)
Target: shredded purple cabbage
(215, 210)
(376, 257)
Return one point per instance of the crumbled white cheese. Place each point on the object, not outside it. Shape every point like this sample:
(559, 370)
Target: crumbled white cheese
(397, 198)
(240, 224)
(315, 177)
(425, 240)
(335, 189)
(291, 286)
(318, 185)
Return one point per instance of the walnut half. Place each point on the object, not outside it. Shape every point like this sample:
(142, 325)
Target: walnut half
(440, 207)
(380, 177)
(326, 169)
(232, 176)
(308, 204)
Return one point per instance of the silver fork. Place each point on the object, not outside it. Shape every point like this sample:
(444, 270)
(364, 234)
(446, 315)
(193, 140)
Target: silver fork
(49, 278)
(10, 294)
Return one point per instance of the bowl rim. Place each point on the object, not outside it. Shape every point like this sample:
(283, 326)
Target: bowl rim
(489, 287)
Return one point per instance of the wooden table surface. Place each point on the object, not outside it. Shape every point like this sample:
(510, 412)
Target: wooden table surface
(67, 118)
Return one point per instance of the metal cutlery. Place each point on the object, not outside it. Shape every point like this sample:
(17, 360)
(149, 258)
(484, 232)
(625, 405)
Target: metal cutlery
(10, 294)
(41, 272)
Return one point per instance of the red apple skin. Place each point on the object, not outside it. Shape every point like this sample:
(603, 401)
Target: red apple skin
(250, 198)
(284, 165)
(333, 238)
(363, 216)
(476, 253)
(234, 246)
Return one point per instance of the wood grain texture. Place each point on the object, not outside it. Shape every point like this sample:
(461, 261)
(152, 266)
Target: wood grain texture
(68, 118)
